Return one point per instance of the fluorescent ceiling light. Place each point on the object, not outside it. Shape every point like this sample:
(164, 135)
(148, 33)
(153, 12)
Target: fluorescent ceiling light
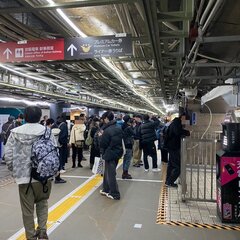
(8, 99)
(106, 61)
(45, 80)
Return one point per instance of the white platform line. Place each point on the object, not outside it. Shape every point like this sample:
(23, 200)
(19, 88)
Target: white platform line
(119, 179)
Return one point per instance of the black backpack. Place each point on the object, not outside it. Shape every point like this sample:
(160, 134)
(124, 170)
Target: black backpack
(164, 137)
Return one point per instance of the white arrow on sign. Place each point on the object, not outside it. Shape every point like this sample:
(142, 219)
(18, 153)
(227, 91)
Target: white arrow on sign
(71, 48)
(7, 52)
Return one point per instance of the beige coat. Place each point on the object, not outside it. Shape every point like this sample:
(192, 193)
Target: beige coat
(77, 133)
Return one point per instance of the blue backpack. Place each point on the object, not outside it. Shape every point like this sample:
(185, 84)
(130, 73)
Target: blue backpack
(45, 159)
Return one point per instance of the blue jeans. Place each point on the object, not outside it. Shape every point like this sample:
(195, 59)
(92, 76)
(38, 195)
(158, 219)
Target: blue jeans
(127, 159)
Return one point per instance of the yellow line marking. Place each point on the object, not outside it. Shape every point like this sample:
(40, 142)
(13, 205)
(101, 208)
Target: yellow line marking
(59, 211)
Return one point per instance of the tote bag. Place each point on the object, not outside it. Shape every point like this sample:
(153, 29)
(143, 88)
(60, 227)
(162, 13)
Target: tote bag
(98, 166)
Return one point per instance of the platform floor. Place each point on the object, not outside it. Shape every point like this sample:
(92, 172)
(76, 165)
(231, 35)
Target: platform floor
(78, 211)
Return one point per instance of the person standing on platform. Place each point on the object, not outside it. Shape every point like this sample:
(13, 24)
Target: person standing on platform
(55, 131)
(128, 133)
(19, 120)
(111, 150)
(77, 140)
(18, 158)
(6, 129)
(147, 141)
(137, 152)
(63, 141)
(94, 150)
(174, 134)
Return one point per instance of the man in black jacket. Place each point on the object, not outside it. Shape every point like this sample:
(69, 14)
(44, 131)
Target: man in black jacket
(147, 141)
(174, 134)
(112, 150)
(128, 133)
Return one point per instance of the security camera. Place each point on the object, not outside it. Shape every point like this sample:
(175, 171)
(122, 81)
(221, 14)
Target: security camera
(190, 93)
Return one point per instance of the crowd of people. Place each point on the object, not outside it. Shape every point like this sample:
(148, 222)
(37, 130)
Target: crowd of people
(107, 137)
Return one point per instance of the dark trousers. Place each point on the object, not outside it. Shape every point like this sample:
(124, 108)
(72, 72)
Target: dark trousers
(63, 155)
(149, 149)
(164, 155)
(174, 166)
(109, 178)
(93, 153)
(77, 151)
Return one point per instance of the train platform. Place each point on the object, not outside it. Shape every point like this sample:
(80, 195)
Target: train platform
(147, 210)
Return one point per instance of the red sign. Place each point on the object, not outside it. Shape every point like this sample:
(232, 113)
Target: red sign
(29, 51)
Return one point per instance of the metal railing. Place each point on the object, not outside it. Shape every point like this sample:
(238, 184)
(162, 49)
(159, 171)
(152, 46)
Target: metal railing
(198, 168)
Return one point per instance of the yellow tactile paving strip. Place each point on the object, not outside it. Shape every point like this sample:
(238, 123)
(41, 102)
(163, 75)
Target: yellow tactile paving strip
(162, 217)
(64, 207)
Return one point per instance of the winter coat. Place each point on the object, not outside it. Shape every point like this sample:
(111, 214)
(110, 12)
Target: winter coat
(137, 134)
(6, 130)
(128, 136)
(77, 133)
(18, 150)
(175, 133)
(63, 135)
(111, 142)
(148, 131)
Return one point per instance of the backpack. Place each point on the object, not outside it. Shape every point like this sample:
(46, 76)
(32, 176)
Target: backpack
(89, 140)
(45, 159)
(164, 137)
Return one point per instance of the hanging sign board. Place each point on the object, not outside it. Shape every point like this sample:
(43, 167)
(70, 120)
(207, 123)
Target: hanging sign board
(97, 47)
(66, 49)
(28, 51)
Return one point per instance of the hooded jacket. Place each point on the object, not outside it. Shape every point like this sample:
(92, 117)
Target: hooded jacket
(18, 150)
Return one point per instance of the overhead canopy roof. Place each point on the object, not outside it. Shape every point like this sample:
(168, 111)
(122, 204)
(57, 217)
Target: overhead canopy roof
(170, 52)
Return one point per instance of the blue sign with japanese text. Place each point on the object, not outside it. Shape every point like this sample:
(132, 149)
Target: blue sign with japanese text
(97, 47)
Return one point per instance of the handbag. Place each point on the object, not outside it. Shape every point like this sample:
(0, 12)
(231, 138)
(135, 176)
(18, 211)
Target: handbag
(98, 166)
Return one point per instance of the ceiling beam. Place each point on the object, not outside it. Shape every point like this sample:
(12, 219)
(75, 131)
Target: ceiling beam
(213, 65)
(73, 4)
(233, 38)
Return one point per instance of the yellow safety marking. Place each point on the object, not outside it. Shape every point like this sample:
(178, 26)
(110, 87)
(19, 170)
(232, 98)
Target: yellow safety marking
(162, 213)
(60, 210)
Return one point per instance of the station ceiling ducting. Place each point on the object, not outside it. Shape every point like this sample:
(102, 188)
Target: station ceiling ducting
(176, 44)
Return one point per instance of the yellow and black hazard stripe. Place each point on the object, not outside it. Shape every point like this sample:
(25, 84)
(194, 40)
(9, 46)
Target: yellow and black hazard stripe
(199, 225)
(163, 208)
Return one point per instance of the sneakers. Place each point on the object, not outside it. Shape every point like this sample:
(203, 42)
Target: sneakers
(146, 170)
(60, 181)
(108, 195)
(156, 169)
(102, 192)
(173, 185)
(62, 171)
(113, 197)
